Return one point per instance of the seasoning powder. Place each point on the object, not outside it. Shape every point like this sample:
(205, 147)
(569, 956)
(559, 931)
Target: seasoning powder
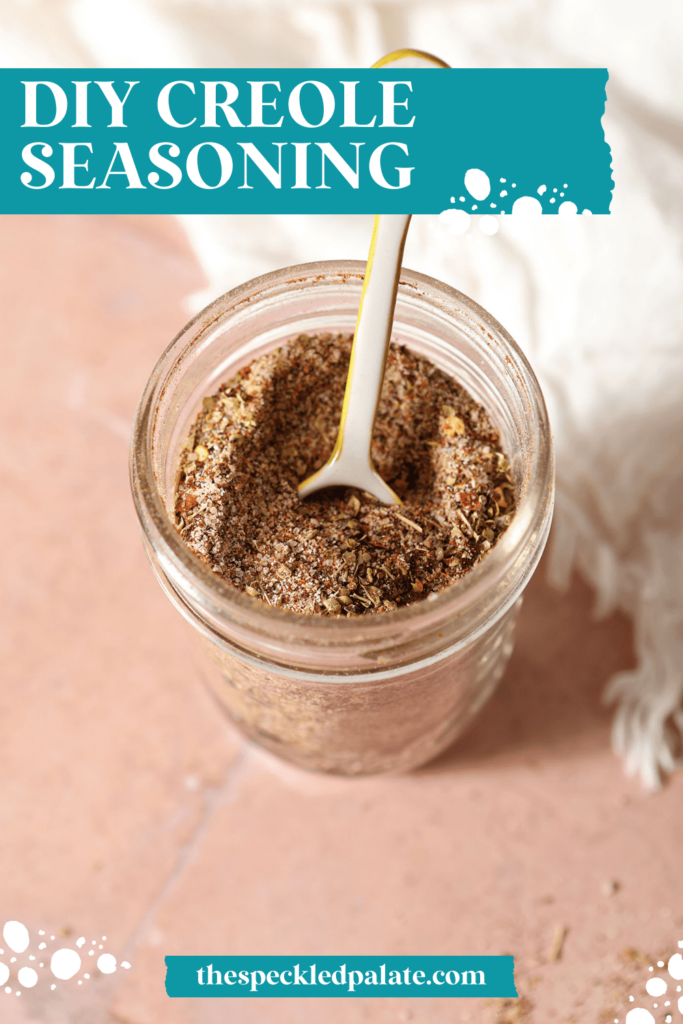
(340, 552)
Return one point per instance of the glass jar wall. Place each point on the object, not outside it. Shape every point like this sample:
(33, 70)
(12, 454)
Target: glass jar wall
(375, 693)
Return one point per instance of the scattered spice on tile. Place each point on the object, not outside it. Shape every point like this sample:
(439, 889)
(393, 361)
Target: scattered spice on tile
(340, 553)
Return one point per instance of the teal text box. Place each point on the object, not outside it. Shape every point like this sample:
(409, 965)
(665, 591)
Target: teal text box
(292, 141)
(339, 976)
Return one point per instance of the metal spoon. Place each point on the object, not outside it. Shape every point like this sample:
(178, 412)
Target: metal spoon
(350, 464)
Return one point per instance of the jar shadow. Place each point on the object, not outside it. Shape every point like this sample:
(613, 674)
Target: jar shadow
(549, 701)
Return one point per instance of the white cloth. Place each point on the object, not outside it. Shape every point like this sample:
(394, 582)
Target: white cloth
(596, 302)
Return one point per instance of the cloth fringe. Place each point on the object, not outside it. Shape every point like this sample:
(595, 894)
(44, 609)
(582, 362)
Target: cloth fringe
(648, 724)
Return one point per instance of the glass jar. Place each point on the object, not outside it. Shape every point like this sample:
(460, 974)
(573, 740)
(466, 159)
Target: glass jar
(374, 693)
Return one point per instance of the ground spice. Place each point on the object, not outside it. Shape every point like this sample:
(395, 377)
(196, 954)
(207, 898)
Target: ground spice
(340, 552)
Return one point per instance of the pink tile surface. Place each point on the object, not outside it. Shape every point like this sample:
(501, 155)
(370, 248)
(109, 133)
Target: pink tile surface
(107, 740)
(130, 809)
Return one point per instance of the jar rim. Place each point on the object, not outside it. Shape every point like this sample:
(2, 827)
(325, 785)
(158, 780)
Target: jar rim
(466, 602)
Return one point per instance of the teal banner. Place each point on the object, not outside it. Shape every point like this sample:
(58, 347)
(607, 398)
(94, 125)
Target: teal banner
(339, 977)
(292, 141)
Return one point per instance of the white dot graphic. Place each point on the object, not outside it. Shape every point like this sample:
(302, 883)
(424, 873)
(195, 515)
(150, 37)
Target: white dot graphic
(477, 183)
(488, 224)
(587, 213)
(65, 963)
(503, 193)
(656, 987)
(15, 935)
(107, 963)
(567, 209)
(541, 189)
(639, 1016)
(27, 977)
(676, 967)
(527, 207)
(457, 221)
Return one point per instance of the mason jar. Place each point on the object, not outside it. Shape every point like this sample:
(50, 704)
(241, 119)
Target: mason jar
(373, 693)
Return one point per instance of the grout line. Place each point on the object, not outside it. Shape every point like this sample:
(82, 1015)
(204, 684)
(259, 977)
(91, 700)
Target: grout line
(214, 798)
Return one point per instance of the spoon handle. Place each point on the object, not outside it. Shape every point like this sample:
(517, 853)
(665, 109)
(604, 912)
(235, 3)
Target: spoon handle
(373, 331)
(351, 463)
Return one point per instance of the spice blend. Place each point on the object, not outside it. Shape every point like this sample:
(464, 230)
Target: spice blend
(340, 552)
